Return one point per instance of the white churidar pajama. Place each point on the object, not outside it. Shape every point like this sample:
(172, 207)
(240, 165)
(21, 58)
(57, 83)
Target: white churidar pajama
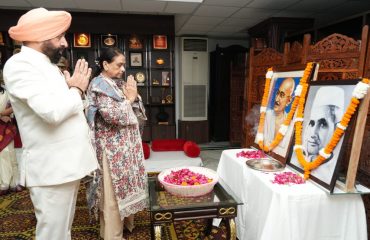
(50, 208)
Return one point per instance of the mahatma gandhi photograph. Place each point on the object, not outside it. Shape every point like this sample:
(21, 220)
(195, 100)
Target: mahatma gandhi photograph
(281, 97)
(325, 106)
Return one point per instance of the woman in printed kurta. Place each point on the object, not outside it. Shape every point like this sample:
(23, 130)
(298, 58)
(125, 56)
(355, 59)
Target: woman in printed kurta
(119, 188)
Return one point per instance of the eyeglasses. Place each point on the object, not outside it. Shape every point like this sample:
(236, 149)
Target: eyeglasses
(281, 94)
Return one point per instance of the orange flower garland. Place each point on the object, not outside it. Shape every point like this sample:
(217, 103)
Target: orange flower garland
(279, 136)
(337, 135)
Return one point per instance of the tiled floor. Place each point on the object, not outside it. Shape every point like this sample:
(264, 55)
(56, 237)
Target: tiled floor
(211, 153)
(210, 158)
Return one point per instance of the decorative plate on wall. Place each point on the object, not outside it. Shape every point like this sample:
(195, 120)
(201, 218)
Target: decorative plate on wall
(140, 77)
(109, 40)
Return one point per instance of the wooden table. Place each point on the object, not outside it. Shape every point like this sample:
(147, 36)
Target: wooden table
(167, 208)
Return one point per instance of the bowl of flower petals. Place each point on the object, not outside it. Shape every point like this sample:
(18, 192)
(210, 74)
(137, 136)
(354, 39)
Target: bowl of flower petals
(188, 181)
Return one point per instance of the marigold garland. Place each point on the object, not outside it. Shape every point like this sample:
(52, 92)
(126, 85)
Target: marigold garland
(279, 136)
(337, 135)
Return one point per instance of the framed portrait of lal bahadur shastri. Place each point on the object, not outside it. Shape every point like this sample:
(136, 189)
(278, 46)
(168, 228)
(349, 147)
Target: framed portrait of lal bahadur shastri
(324, 109)
(280, 99)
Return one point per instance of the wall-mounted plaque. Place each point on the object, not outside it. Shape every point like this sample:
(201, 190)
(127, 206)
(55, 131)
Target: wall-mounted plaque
(135, 42)
(136, 59)
(82, 40)
(109, 40)
(159, 42)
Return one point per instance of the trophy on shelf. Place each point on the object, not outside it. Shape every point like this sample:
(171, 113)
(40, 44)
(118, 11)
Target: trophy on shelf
(169, 99)
(140, 78)
(155, 82)
(165, 79)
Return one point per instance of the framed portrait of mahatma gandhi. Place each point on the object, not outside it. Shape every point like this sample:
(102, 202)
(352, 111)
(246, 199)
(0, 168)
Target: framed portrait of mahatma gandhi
(324, 109)
(280, 99)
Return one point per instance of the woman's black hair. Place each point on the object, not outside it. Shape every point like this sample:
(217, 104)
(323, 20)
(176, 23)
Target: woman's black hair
(106, 54)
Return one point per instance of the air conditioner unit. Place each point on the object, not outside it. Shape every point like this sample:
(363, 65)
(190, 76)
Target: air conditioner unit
(193, 79)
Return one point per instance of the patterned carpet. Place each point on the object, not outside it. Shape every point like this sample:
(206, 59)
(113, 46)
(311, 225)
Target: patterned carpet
(17, 222)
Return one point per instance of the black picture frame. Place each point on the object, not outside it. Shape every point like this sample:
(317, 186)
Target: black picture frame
(320, 95)
(160, 42)
(136, 42)
(109, 40)
(81, 40)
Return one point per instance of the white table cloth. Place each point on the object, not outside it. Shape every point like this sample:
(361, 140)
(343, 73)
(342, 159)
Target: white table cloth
(162, 160)
(282, 212)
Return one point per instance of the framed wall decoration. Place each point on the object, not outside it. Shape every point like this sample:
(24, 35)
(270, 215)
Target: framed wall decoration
(136, 59)
(81, 40)
(326, 103)
(280, 99)
(135, 42)
(159, 42)
(109, 40)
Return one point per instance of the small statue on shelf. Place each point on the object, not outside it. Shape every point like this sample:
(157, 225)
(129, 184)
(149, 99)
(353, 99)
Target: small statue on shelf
(168, 99)
(155, 82)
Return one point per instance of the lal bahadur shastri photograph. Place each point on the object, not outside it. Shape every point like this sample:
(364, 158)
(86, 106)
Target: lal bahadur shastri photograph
(324, 109)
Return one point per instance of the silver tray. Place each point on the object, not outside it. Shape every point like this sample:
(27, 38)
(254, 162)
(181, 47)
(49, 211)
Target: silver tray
(265, 164)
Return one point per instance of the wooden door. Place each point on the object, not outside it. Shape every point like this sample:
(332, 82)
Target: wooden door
(237, 81)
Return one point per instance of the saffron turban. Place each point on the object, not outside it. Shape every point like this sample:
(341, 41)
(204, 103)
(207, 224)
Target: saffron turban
(39, 24)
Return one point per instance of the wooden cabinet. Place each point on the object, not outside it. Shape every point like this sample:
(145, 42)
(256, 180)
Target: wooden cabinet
(271, 32)
(196, 131)
(149, 58)
(163, 131)
(148, 44)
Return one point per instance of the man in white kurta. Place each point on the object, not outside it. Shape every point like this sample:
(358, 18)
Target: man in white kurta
(49, 110)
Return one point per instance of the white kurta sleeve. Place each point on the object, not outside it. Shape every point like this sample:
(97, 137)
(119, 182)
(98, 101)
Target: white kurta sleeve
(44, 91)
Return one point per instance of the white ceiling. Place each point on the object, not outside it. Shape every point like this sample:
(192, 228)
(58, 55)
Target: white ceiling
(212, 18)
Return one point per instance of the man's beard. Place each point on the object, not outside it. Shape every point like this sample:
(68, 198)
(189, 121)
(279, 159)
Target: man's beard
(54, 54)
